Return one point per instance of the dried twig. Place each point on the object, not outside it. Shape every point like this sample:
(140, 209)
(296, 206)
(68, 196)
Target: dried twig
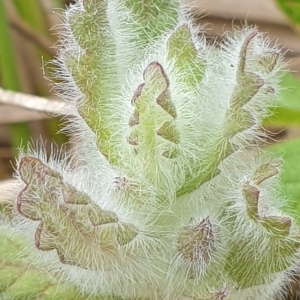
(18, 24)
(51, 14)
(7, 191)
(34, 103)
(31, 35)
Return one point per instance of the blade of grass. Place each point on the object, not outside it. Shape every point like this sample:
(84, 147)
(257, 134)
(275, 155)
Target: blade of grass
(9, 75)
(33, 14)
(290, 175)
(288, 111)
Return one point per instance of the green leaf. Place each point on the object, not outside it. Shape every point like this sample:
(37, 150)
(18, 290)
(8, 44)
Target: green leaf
(288, 113)
(91, 30)
(149, 20)
(291, 8)
(182, 51)
(20, 280)
(290, 173)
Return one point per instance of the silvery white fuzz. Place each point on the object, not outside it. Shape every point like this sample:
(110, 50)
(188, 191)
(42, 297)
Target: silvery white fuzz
(166, 194)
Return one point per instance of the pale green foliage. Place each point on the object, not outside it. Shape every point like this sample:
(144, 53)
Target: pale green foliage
(168, 195)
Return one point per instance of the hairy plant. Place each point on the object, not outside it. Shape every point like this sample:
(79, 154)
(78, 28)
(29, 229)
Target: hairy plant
(167, 194)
